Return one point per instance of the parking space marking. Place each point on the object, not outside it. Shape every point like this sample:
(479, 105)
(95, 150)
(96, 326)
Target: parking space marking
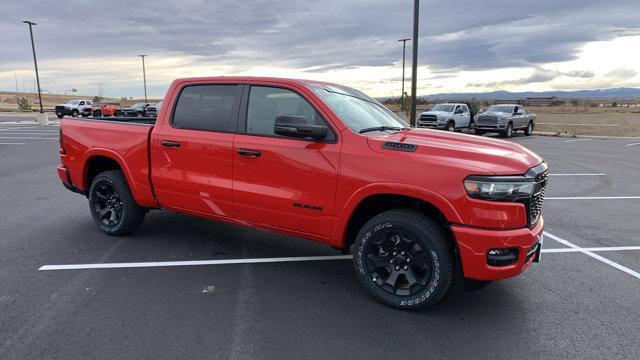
(28, 138)
(575, 140)
(7, 143)
(634, 144)
(594, 255)
(275, 260)
(592, 198)
(193, 262)
(577, 174)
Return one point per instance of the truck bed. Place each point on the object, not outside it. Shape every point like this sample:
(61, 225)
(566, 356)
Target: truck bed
(135, 120)
(126, 140)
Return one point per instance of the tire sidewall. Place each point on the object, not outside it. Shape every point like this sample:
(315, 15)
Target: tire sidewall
(438, 283)
(451, 126)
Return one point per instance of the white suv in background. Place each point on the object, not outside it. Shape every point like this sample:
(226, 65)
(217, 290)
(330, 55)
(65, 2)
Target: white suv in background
(449, 116)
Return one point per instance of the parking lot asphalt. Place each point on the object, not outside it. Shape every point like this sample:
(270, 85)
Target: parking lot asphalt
(581, 301)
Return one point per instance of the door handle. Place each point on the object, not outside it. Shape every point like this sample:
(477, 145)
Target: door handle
(248, 152)
(169, 143)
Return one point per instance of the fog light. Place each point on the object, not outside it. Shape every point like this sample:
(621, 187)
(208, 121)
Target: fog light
(502, 257)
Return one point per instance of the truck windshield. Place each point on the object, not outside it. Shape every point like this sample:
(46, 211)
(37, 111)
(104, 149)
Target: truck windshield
(138, 105)
(72, 102)
(443, 107)
(357, 110)
(500, 108)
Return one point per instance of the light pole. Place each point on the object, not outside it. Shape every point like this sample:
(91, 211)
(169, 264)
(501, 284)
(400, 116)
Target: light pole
(144, 77)
(404, 46)
(35, 62)
(414, 69)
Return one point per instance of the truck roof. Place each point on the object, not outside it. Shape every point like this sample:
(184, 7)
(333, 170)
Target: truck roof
(256, 78)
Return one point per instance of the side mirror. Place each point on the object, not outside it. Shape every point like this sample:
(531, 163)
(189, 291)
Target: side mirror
(297, 126)
(459, 111)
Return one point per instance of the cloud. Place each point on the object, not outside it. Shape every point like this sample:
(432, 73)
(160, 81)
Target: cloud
(317, 37)
(539, 75)
(621, 73)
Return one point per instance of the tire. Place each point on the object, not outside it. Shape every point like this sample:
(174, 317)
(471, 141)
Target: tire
(383, 239)
(59, 116)
(479, 132)
(509, 132)
(529, 129)
(112, 206)
(97, 114)
(75, 113)
(451, 126)
(118, 113)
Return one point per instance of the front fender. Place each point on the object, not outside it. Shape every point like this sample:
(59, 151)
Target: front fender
(339, 230)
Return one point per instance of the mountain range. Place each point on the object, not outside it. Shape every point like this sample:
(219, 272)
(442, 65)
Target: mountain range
(618, 93)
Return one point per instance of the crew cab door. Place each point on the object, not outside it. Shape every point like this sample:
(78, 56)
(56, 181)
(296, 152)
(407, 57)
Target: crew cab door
(465, 117)
(280, 182)
(192, 151)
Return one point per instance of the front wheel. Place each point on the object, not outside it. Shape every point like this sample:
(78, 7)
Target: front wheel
(451, 126)
(529, 130)
(402, 258)
(112, 205)
(509, 132)
(60, 116)
(75, 113)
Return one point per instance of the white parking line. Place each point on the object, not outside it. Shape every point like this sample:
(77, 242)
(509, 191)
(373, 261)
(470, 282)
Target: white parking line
(7, 143)
(577, 174)
(273, 260)
(568, 141)
(593, 198)
(28, 138)
(594, 255)
(634, 144)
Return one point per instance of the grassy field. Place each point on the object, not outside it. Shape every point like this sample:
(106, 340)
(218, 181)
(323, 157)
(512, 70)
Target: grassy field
(620, 121)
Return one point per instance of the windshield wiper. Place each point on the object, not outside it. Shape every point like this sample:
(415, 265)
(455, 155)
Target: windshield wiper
(380, 128)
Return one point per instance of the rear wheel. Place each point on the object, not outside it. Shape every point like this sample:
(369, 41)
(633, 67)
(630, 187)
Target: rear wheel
(112, 205)
(529, 130)
(75, 113)
(97, 114)
(402, 259)
(479, 132)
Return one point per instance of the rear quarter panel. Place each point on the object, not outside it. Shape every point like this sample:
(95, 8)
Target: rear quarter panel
(127, 144)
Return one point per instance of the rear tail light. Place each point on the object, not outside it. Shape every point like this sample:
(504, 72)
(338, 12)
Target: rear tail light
(61, 140)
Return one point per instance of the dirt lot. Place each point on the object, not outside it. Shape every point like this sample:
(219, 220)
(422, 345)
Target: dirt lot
(621, 121)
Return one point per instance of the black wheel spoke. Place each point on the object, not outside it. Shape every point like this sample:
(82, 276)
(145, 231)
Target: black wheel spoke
(393, 278)
(103, 211)
(377, 261)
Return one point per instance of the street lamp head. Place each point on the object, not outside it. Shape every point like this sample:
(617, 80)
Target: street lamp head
(29, 22)
(143, 55)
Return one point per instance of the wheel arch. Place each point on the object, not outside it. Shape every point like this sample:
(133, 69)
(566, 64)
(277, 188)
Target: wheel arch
(100, 160)
(376, 198)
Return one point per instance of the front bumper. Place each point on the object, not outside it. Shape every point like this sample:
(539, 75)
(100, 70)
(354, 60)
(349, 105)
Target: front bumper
(432, 125)
(474, 244)
(496, 127)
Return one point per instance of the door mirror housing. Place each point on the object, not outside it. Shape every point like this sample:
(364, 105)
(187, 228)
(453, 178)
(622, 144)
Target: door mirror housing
(459, 111)
(297, 126)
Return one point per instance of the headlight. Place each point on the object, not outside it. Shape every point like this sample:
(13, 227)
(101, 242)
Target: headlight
(440, 119)
(499, 188)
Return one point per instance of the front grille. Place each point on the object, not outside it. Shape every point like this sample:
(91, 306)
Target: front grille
(487, 119)
(535, 204)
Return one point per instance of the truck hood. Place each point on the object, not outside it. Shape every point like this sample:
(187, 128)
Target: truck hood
(438, 113)
(492, 156)
(496, 113)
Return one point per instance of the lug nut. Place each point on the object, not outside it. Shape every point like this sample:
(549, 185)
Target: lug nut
(408, 259)
(395, 253)
(391, 261)
(397, 267)
(406, 268)
(402, 253)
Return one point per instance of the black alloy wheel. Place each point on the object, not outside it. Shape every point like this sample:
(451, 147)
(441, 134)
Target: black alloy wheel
(403, 258)
(107, 204)
(398, 263)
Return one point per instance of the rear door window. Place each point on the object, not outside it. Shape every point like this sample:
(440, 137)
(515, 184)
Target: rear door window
(207, 108)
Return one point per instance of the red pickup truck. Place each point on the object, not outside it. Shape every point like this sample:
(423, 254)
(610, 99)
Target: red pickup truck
(416, 207)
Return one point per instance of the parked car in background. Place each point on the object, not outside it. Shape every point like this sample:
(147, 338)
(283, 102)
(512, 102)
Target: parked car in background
(135, 110)
(153, 109)
(449, 116)
(505, 119)
(72, 107)
(102, 109)
(418, 209)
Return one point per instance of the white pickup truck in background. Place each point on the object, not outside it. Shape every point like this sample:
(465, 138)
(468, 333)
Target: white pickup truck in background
(448, 116)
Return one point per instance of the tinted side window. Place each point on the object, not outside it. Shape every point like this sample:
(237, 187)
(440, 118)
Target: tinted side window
(465, 108)
(265, 103)
(207, 107)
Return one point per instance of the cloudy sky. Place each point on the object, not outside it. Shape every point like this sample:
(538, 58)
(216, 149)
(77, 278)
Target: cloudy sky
(465, 45)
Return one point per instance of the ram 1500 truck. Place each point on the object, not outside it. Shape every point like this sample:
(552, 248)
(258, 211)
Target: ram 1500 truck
(506, 120)
(416, 207)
